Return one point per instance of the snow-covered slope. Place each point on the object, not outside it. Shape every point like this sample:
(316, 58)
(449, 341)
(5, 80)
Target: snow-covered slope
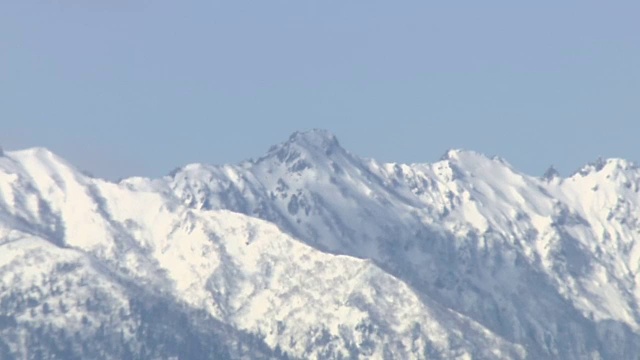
(548, 263)
(317, 253)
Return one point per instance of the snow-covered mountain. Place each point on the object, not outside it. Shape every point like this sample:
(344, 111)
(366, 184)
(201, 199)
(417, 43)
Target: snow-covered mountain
(313, 252)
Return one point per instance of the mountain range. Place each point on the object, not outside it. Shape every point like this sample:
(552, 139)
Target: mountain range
(311, 252)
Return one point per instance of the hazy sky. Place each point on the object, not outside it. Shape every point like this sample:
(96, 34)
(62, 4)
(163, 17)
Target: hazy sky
(138, 87)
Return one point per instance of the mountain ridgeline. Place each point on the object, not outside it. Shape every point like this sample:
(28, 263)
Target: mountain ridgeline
(311, 252)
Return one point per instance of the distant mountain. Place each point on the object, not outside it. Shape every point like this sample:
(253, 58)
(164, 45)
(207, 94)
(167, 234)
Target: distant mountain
(313, 252)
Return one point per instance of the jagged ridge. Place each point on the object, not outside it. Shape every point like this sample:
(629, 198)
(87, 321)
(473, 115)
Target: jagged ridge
(462, 257)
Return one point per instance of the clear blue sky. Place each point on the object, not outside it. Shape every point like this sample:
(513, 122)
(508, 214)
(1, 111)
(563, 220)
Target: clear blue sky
(138, 87)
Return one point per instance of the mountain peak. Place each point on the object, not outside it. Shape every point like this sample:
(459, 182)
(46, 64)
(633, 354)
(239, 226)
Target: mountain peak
(607, 165)
(461, 154)
(469, 157)
(38, 154)
(452, 154)
(311, 144)
(551, 173)
(314, 138)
